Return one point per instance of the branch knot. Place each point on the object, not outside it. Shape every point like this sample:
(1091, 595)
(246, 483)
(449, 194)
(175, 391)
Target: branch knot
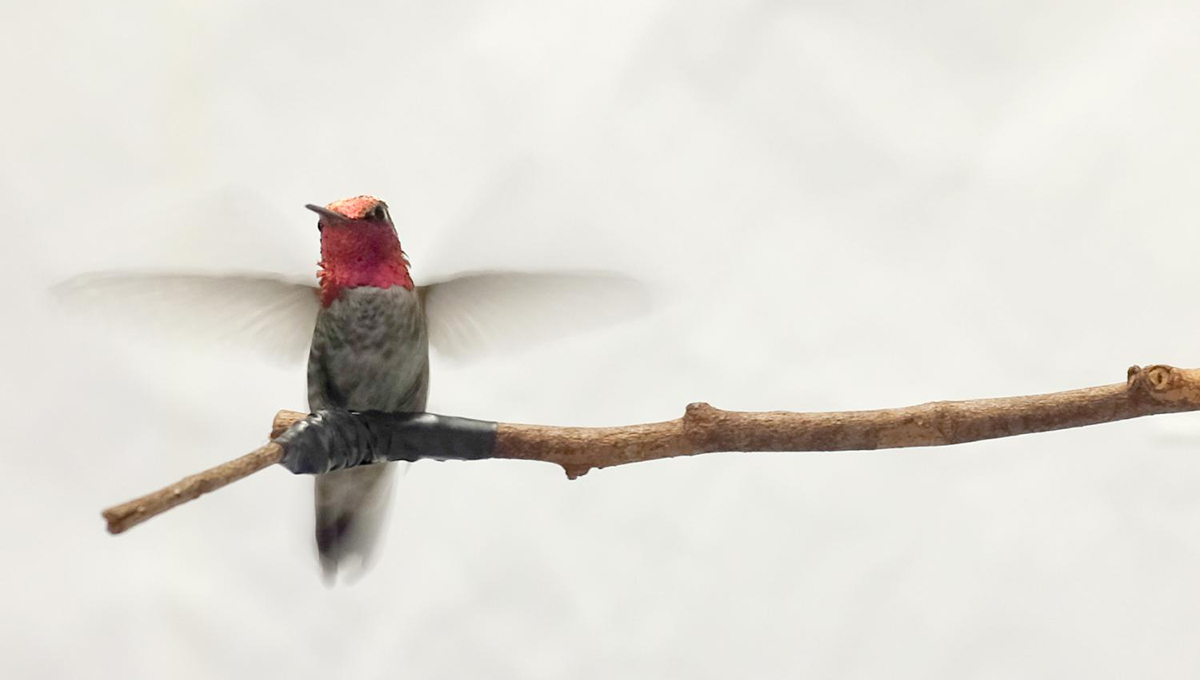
(1164, 384)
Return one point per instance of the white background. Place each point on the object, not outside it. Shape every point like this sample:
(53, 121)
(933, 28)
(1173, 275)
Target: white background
(842, 205)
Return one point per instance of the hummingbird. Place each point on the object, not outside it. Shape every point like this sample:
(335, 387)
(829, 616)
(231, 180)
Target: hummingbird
(367, 329)
(370, 352)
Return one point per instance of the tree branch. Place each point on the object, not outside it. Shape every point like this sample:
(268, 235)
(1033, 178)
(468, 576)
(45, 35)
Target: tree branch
(702, 429)
(130, 513)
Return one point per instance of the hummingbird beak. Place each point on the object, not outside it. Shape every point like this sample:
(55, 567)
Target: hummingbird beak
(327, 213)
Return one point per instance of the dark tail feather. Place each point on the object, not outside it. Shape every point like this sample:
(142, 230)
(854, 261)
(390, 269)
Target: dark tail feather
(350, 509)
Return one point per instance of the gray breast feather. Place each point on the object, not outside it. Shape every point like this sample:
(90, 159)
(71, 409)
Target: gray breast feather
(370, 351)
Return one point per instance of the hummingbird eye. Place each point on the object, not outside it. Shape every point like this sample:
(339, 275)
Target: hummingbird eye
(379, 213)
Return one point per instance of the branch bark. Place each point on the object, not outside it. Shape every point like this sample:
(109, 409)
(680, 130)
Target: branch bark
(130, 513)
(704, 429)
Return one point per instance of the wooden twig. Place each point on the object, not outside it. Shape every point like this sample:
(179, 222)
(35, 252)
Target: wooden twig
(128, 514)
(704, 429)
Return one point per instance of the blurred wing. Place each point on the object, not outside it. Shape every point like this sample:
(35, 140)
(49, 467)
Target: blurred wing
(475, 313)
(270, 316)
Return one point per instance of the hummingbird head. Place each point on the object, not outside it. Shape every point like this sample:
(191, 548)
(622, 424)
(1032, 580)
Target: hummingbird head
(359, 247)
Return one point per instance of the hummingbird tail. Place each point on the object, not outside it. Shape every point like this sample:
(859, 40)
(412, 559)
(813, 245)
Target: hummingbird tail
(350, 508)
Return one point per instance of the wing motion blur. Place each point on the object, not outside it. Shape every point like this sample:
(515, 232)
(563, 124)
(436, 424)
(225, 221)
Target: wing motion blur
(476, 313)
(270, 316)
(469, 315)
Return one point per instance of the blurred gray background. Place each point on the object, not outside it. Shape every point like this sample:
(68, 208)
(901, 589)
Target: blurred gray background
(841, 205)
